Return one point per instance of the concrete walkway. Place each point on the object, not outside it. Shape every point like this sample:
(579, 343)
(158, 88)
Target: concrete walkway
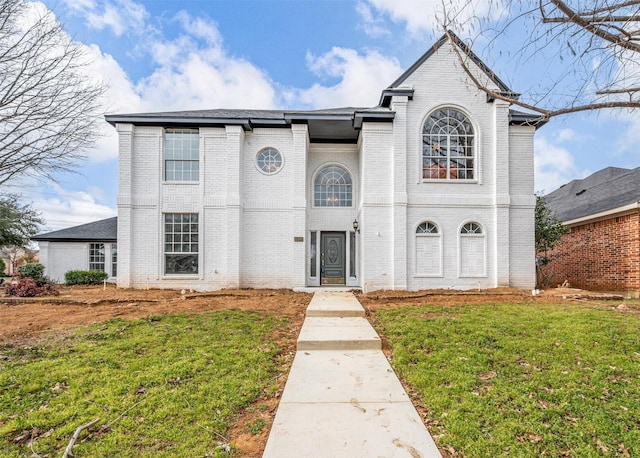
(342, 399)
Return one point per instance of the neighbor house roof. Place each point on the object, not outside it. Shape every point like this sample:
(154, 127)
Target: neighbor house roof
(105, 230)
(610, 189)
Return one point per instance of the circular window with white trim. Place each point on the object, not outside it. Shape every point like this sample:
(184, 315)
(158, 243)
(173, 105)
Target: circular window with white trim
(269, 161)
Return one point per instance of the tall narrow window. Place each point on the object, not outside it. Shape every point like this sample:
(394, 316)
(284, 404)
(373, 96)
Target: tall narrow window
(314, 255)
(114, 259)
(181, 243)
(181, 155)
(96, 256)
(332, 187)
(448, 146)
(472, 251)
(428, 250)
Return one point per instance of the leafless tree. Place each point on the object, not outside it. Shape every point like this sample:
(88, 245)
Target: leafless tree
(587, 51)
(49, 107)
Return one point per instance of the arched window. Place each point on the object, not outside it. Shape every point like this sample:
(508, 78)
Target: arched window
(472, 251)
(428, 250)
(471, 228)
(332, 187)
(427, 228)
(448, 146)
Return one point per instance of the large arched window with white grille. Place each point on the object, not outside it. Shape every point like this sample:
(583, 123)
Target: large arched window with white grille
(448, 151)
(472, 251)
(428, 250)
(332, 187)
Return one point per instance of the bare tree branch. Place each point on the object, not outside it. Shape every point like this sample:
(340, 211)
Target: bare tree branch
(587, 53)
(49, 107)
(76, 434)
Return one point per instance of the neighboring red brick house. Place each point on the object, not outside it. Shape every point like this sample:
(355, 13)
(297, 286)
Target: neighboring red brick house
(602, 251)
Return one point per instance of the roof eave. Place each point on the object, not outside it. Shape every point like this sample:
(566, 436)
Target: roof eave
(74, 239)
(607, 214)
(526, 119)
(387, 94)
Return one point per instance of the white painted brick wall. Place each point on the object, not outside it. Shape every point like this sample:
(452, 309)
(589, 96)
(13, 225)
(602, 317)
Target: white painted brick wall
(248, 220)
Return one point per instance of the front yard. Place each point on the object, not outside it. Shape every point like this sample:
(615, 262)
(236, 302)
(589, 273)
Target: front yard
(170, 373)
(536, 379)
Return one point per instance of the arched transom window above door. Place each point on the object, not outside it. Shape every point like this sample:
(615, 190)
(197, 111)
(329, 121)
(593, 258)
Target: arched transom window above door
(448, 150)
(332, 187)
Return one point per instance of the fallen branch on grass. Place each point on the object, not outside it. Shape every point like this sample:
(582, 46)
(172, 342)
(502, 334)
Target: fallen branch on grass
(76, 435)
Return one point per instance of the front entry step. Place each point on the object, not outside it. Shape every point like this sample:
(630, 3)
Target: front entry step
(335, 304)
(329, 333)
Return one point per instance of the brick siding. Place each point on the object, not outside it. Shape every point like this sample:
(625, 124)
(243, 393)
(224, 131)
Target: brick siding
(600, 256)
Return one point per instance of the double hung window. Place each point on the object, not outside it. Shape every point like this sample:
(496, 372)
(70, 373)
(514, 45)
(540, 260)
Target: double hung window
(181, 243)
(181, 155)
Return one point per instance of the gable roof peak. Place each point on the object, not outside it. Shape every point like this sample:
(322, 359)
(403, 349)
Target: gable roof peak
(448, 36)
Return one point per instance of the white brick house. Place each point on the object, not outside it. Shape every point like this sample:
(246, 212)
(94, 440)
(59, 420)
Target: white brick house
(438, 178)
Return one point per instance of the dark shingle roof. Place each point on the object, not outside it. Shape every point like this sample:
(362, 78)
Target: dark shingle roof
(605, 190)
(105, 230)
(242, 116)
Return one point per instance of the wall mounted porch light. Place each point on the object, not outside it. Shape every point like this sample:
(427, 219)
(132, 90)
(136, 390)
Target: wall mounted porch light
(356, 225)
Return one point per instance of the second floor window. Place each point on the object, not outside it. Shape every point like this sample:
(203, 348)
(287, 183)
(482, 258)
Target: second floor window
(448, 146)
(181, 155)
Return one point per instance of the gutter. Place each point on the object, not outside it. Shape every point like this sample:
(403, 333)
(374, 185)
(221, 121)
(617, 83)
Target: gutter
(607, 214)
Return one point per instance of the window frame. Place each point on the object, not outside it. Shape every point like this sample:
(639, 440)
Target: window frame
(97, 256)
(450, 173)
(181, 241)
(258, 159)
(318, 199)
(114, 260)
(191, 157)
(462, 234)
(432, 235)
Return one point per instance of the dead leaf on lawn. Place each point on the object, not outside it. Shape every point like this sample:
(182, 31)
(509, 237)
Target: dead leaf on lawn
(623, 450)
(543, 404)
(601, 446)
(487, 375)
(534, 438)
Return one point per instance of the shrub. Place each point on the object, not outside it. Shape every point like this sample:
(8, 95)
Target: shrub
(35, 271)
(85, 277)
(28, 287)
(2, 267)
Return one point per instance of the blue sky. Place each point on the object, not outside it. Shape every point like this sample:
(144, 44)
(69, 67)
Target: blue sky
(161, 55)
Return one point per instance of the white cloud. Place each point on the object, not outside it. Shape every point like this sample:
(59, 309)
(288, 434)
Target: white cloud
(630, 139)
(67, 209)
(361, 78)
(119, 15)
(372, 24)
(566, 135)
(554, 166)
(61, 207)
(422, 16)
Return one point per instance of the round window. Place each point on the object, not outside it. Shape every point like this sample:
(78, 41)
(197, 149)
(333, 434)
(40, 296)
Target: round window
(269, 161)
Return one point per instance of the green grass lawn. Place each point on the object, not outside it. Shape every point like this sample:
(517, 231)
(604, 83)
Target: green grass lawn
(522, 380)
(163, 386)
